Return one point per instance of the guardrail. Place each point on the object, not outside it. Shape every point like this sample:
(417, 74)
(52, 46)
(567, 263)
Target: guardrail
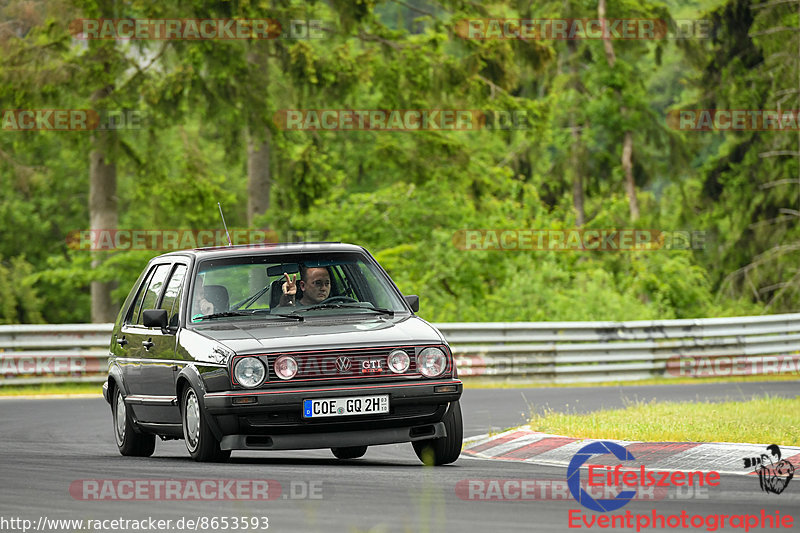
(569, 352)
(554, 352)
(32, 354)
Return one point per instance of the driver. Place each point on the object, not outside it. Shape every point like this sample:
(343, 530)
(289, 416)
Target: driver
(200, 305)
(315, 283)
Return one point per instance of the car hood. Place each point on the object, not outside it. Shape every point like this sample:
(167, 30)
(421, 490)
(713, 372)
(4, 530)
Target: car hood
(252, 336)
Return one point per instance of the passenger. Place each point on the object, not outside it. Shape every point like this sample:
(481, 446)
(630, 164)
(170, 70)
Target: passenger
(315, 283)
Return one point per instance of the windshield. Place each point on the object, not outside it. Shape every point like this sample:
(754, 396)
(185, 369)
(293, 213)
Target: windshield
(291, 286)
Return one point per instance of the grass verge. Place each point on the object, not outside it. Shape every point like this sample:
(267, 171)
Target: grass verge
(766, 420)
(51, 389)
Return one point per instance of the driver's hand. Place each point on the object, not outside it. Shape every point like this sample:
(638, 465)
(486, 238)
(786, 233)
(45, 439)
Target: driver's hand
(289, 288)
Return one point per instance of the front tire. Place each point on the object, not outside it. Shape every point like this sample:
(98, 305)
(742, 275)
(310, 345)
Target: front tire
(129, 442)
(349, 452)
(200, 441)
(435, 452)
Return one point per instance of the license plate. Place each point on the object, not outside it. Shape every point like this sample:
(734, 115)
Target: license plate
(357, 405)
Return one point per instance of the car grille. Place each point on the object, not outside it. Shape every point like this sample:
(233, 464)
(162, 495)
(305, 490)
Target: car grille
(347, 365)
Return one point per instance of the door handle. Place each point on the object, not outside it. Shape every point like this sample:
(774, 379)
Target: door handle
(148, 344)
(123, 341)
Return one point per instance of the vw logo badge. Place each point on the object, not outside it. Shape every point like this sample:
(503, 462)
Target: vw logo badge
(343, 364)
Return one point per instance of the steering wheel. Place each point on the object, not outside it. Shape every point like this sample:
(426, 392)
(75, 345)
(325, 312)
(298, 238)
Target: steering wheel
(338, 299)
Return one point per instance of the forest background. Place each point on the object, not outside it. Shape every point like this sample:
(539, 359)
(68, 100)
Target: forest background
(597, 150)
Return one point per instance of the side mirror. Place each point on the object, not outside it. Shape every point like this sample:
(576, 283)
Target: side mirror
(413, 302)
(155, 318)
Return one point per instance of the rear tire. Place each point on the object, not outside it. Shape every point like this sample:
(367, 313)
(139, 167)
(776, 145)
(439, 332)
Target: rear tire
(200, 441)
(349, 452)
(129, 442)
(435, 452)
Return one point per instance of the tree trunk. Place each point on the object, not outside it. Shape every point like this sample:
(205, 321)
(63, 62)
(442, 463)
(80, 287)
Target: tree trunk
(259, 178)
(627, 166)
(102, 213)
(575, 150)
(259, 143)
(577, 177)
(627, 147)
(607, 46)
(259, 181)
(103, 177)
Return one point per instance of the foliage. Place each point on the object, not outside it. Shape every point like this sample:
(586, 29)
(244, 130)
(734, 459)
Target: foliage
(19, 302)
(405, 195)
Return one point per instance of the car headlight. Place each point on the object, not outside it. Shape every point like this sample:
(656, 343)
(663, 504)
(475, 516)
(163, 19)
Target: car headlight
(431, 362)
(285, 367)
(250, 372)
(398, 361)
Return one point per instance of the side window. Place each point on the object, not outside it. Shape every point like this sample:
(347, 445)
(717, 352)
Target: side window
(153, 290)
(136, 307)
(172, 295)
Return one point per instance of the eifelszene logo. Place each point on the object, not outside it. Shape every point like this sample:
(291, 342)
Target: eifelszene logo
(574, 477)
(774, 473)
(630, 477)
(637, 477)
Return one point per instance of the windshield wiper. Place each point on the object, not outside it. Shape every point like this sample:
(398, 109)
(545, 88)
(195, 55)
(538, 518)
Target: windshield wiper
(223, 314)
(380, 310)
(249, 313)
(288, 315)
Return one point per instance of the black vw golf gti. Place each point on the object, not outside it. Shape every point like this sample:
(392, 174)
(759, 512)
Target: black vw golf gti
(290, 346)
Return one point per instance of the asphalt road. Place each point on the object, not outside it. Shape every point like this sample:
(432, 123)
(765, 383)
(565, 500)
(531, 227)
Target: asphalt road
(48, 445)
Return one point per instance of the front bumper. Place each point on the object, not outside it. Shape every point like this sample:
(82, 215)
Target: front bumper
(334, 439)
(275, 421)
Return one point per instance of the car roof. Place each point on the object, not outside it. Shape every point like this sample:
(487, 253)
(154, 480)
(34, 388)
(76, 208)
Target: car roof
(266, 249)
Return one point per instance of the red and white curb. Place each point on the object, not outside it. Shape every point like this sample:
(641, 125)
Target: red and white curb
(526, 446)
